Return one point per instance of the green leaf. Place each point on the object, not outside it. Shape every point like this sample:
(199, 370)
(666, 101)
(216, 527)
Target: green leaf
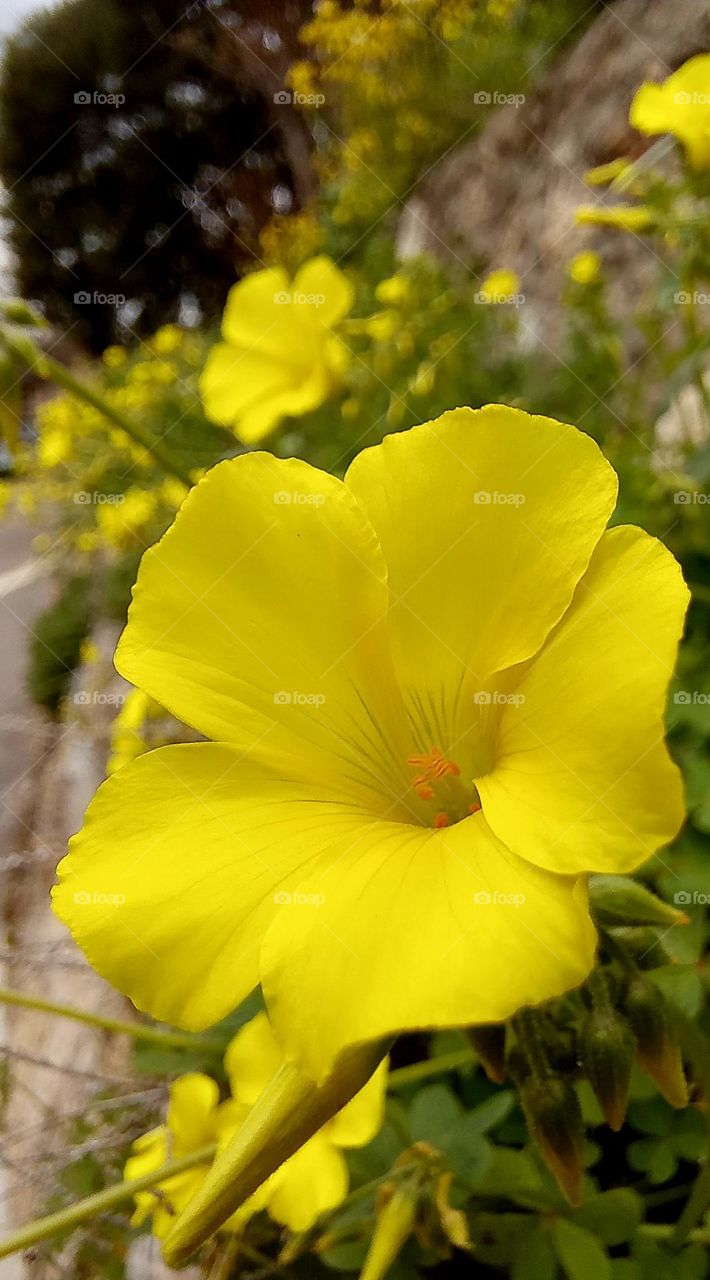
(536, 1257)
(434, 1113)
(580, 1253)
(612, 1216)
(346, 1257)
(681, 986)
(489, 1114)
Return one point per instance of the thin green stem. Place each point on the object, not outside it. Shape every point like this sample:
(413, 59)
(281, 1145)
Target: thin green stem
(69, 382)
(431, 1067)
(149, 1035)
(100, 1202)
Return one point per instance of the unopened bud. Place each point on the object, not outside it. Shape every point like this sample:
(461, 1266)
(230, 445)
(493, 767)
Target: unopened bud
(392, 1230)
(621, 900)
(17, 311)
(488, 1042)
(554, 1118)
(656, 1050)
(607, 1057)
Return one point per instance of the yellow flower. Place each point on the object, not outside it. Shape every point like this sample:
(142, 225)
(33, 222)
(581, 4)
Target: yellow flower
(195, 1119)
(500, 286)
(167, 339)
(120, 521)
(436, 690)
(394, 291)
(681, 106)
(280, 357)
(584, 268)
(114, 357)
(127, 741)
(625, 217)
(312, 1181)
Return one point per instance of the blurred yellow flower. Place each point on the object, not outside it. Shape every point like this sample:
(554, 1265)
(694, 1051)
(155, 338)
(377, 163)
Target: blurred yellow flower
(500, 286)
(280, 357)
(681, 106)
(625, 217)
(394, 291)
(312, 1181)
(167, 339)
(124, 515)
(584, 268)
(410, 757)
(114, 357)
(195, 1119)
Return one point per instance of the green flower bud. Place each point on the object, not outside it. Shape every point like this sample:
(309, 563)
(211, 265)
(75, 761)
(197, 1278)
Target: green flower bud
(620, 900)
(554, 1119)
(607, 1048)
(656, 1051)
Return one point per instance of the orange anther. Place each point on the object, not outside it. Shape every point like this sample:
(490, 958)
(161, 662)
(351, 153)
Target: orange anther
(441, 820)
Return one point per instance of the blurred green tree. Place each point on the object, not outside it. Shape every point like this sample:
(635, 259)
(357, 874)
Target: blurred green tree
(142, 148)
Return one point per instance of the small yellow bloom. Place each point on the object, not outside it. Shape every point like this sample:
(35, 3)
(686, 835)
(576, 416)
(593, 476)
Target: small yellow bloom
(195, 1119)
(121, 520)
(114, 357)
(584, 268)
(681, 106)
(395, 291)
(167, 339)
(383, 325)
(410, 757)
(500, 286)
(310, 1182)
(625, 217)
(280, 357)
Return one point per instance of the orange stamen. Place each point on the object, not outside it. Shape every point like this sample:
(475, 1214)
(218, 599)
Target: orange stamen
(441, 820)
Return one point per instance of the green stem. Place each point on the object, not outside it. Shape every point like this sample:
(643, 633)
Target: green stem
(431, 1067)
(67, 380)
(99, 1202)
(150, 1035)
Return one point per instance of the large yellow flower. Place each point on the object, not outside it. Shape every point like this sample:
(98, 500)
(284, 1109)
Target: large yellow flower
(280, 357)
(312, 1181)
(681, 106)
(437, 691)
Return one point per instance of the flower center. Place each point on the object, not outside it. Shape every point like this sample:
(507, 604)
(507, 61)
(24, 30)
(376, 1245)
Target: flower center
(438, 782)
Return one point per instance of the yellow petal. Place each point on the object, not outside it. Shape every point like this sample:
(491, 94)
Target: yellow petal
(185, 857)
(487, 519)
(363, 1117)
(314, 1180)
(321, 280)
(256, 317)
(419, 929)
(260, 616)
(252, 1058)
(582, 779)
(235, 382)
(190, 1119)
